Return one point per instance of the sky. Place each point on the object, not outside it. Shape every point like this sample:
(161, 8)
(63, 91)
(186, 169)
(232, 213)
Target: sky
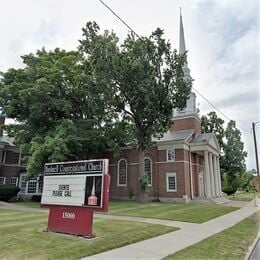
(222, 38)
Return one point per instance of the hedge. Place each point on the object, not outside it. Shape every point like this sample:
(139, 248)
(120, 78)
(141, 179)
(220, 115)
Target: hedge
(8, 191)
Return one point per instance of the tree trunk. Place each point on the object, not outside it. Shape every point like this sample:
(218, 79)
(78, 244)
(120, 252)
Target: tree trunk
(142, 195)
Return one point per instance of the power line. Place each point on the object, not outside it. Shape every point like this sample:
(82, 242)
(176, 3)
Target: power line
(119, 18)
(228, 118)
(192, 87)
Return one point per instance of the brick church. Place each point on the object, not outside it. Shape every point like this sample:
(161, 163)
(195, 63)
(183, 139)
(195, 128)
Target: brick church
(182, 165)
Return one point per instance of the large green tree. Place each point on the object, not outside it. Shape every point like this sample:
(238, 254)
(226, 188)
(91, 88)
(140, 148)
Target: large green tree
(211, 123)
(233, 161)
(234, 154)
(74, 104)
(146, 78)
(60, 112)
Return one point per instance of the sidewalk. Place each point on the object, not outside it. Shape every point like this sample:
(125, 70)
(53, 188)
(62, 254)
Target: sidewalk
(161, 246)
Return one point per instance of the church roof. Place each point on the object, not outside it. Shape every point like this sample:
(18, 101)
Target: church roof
(6, 140)
(175, 136)
(201, 138)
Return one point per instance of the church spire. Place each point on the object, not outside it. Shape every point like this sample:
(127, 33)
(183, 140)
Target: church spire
(182, 49)
(190, 108)
(182, 46)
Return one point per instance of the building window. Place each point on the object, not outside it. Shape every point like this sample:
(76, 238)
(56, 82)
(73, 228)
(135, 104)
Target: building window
(14, 181)
(2, 180)
(23, 183)
(148, 170)
(171, 182)
(12, 157)
(32, 185)
(40, 186)
(16, 158)
(170, 155)
(122, 173)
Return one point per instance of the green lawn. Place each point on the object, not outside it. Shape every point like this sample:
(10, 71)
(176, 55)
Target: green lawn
(22, 237)
(247, 196)
(30, 204)
(196, 213)
(231, 243)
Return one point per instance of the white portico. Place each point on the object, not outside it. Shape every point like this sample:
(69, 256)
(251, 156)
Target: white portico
(209, 180)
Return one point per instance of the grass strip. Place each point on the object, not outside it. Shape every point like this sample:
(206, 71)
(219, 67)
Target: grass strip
(195, 213)
(232, 243)
(25, 240)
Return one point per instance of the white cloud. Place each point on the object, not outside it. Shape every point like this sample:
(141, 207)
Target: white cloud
(222, 37)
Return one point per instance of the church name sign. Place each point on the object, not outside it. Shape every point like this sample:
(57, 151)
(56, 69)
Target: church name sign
(83, 167)
(74, 183)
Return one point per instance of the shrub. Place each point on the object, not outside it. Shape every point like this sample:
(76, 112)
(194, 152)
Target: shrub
(8, 191)
(36, 198)
(143, 182)
(130, 193)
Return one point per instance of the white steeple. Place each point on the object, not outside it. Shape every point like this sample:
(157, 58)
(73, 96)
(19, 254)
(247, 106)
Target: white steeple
(182, 49)
(182, 46)
(191, 101)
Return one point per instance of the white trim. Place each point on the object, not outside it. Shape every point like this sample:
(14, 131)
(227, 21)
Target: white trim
(151, 162)
(3, 178)
(16, 181)
(25, 192)
(167, 158)
(171, 174)
(118, 184)
(172, 162)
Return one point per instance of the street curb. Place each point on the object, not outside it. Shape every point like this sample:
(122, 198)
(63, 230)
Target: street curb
(252, 247)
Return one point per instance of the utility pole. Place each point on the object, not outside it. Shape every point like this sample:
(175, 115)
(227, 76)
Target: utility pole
(256, 154)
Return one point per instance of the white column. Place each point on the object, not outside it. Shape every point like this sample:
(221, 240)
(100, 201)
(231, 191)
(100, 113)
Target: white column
(212, 181)
(20, 157)
(206, 175)
(216, 175)
(219, 177)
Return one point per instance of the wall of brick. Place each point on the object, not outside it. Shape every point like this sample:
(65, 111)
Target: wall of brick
(11, 171)
(160, 167)
(187, 123)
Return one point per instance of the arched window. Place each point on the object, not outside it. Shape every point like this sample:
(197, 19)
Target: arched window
(148, 169)
(122, 173)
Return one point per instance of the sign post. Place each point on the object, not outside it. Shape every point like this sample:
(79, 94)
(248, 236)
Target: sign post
(73, 191)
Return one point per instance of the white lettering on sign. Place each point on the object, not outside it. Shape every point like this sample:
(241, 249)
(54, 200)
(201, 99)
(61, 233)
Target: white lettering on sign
(70, 215)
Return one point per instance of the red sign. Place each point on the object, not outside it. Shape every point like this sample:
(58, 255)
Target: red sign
(73, 191)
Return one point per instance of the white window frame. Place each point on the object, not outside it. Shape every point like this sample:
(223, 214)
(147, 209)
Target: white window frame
(16, 181)
(151, 162)
(167, 155)
(171, 174)
(27, 182)
(118, 164)
(15, 162)
(2, 178)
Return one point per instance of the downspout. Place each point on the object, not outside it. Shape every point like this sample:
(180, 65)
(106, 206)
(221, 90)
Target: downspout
(190, 172)
(157, 175)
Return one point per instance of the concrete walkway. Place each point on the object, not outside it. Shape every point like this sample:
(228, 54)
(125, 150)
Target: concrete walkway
(178, 224)
(161, 246)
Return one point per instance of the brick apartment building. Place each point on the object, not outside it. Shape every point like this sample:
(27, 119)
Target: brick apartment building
(12, 167)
